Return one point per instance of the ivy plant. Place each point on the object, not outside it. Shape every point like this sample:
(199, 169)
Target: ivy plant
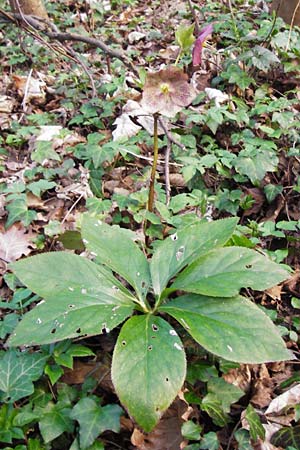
(192, 277)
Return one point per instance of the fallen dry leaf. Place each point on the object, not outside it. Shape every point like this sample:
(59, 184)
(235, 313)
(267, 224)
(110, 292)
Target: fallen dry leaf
(14, 243)
(289, 398)
(266, 444)
(6, 104)
(263, 388)
(125, 128)
(167, 434)
(31, 87)
(240, 377)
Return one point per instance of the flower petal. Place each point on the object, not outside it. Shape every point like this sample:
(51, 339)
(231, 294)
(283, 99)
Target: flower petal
(168, 102)
(197, 49)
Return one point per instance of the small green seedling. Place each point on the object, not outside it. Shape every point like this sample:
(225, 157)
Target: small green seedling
(83, 298)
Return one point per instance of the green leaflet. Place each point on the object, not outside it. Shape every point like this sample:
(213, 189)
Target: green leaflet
(233, 328)
(185, 246)
(80, 298)
(148, 368)
(114, 247)
(223, 272)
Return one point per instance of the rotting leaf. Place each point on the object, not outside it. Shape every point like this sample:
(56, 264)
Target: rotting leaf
(14, 243)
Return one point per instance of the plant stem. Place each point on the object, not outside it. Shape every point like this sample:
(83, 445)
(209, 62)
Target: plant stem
(154, 165)
(178, 58)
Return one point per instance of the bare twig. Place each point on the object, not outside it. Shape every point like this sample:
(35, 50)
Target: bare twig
(167, 172)
(24, 101)
(169, 135)
(94, 43)
(292, 24)
(85, 69)
(195, 19)
(40, 26)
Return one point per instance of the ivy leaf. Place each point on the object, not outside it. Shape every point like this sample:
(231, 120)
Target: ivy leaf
(43, 150)
(256, 428)
(148, 368)
(40, 186)
(18, 211)
(233, 328)
(255, 166)
(80, 298)
(272, 190)
(263, 58)
(185, 246)
(17, 373)
(94, 419)
(191, 430)
(225, 271)
(234, 74)
(97, 445)
(225, 392)
(243, 439)
(115, 248)
(55, 420)
(210, 441)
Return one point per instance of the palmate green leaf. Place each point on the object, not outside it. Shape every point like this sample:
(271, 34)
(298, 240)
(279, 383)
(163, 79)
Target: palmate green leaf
(94, 419)
(17, 372)
(18, 211)
(225, 392)
(243, 439)
(114, 247)
(185, 246)
(225, 271)
(148, 368)
(54, 421)
(80, 298)
(233, 328)
(210, 441)
(257, 164)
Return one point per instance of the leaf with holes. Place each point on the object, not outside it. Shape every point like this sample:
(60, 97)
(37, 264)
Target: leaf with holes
(17, 373)
(80, 297)
(185, 246)
(225, 271)
(233, 328)
(148, 368)
(114, 247)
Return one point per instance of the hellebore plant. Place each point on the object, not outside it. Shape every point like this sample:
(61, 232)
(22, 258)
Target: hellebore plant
(191, 277)
(165, 92)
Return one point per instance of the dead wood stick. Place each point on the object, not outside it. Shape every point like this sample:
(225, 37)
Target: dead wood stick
(41, 26)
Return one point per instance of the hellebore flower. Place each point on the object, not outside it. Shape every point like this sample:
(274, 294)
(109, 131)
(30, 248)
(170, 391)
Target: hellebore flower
(167, 92)
(199, 42)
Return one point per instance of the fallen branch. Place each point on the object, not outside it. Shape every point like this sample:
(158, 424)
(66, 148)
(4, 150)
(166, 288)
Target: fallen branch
(47, 28)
